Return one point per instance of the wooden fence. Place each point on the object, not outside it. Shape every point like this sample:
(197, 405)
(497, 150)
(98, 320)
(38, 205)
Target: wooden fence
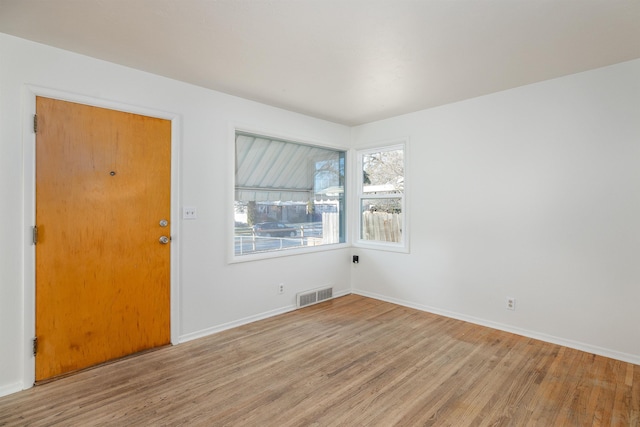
(382, 226)
(330, 228)
(378, 226)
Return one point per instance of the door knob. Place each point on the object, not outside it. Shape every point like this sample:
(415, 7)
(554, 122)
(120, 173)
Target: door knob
(164, 240)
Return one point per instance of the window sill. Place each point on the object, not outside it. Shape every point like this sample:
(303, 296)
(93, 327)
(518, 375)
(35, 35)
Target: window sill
(235, 259)
(381, 246)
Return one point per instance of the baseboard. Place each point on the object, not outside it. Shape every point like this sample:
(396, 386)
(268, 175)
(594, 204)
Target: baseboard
(625, 357)
(230, 325)
(250, 319)
(11, 388)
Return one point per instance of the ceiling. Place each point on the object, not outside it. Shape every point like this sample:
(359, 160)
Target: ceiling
(347, 61)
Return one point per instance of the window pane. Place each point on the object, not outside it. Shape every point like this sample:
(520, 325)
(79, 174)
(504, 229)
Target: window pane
(287, 195)
(381, 220)
(383, 172)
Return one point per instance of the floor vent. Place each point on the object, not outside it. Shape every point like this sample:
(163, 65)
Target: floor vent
(312, 297)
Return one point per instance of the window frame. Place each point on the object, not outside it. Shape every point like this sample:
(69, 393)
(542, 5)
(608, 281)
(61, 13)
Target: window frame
(232, 256)
(359, 195)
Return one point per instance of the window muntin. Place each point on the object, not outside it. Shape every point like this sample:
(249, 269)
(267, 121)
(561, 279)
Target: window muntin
(381, 196)
(287, 195)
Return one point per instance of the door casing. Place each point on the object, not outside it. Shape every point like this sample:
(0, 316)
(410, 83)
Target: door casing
(29, 103)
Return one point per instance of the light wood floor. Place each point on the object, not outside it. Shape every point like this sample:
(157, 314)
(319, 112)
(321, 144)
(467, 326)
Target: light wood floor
(353, 361)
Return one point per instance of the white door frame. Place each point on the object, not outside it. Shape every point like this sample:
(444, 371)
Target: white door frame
(29, 186)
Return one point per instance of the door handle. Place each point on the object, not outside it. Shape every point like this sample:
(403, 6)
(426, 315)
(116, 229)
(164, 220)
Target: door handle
(164, 240)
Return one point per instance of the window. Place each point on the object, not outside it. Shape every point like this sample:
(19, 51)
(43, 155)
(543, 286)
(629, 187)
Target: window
(287, 195)
(381, 190)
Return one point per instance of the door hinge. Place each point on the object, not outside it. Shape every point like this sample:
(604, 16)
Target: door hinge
(35, 123)
(35, 234)
(35, 346)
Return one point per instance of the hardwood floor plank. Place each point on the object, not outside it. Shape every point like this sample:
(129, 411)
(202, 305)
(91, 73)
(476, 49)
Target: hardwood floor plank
(350, 361)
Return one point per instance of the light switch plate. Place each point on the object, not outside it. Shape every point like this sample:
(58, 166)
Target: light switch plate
(189, 213)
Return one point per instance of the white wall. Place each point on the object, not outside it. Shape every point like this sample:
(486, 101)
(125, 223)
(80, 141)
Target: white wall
(532, 193)
(212, 294)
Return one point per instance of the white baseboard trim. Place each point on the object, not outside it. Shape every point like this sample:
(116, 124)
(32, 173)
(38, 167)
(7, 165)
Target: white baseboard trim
(250, 319)
(234, 324)
(625, 357)
(8, 389)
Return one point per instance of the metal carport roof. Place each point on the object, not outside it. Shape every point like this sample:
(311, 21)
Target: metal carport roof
(276, 170)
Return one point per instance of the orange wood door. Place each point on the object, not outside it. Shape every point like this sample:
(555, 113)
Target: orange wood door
(102, 276)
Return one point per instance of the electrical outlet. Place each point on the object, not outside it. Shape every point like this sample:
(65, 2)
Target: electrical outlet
(511, 303)
(281, 288)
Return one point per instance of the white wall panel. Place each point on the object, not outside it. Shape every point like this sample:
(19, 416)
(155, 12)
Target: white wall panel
(212, 294)
(532, 193)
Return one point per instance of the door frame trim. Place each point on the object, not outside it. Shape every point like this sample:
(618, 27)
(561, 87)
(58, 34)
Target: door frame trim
(30, 93)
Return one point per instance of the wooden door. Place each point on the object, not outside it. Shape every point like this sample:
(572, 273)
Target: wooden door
(102, 275)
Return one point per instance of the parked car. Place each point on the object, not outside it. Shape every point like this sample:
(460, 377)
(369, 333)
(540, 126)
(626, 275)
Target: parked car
(274, 229)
